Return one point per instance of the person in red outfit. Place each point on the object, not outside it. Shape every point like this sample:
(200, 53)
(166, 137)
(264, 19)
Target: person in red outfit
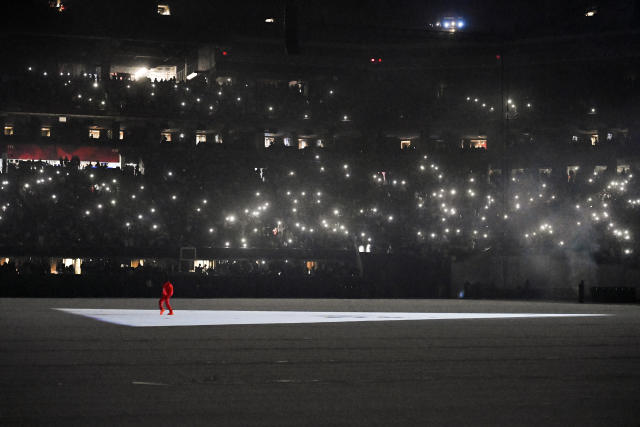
(167, 292)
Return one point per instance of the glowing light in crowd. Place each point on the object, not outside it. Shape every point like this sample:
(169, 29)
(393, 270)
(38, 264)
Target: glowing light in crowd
(454, 220)
(141, 72)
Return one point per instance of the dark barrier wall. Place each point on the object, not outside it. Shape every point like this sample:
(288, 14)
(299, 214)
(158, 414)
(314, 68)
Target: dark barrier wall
(384, 276)
(191, 285)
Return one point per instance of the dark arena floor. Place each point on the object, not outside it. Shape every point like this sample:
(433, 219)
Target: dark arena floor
(62, 368)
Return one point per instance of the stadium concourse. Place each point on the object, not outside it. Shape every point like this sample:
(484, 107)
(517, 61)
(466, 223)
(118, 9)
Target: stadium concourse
(571, 364)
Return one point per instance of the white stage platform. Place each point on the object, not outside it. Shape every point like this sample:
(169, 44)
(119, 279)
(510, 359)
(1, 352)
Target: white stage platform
(147, 318)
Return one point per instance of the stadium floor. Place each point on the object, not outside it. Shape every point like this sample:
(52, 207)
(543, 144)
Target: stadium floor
(67, 369)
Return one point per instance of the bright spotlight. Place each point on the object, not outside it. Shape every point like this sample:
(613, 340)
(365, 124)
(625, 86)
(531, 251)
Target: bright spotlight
(142, 72)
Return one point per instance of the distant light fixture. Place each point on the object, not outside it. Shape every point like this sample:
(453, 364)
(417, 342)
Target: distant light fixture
(460, 24)
(590, 13)
(269, 20)
(164, 9)
(142, 72)
(191, 75)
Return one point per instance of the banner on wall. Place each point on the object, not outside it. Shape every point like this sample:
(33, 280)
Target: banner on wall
(56, 152)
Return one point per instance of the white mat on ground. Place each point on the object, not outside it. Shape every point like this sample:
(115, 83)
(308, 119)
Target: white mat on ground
(140, 318)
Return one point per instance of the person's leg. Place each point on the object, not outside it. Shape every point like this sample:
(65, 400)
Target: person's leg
(160, 305)
(168, 305)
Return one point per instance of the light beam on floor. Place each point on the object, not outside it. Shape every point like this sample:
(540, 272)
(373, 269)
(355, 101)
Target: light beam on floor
(146, 318)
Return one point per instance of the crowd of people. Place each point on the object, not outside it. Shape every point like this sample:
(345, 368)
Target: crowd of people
(186, 195)
(321, 107)
(317, 200)
(223, 98)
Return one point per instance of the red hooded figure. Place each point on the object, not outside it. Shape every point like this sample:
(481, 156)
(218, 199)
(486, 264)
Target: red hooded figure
(167, 292)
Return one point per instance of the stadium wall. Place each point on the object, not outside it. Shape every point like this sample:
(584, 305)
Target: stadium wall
(536, 276)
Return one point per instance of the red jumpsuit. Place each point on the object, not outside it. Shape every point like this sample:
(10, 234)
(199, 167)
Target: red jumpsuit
(167, 292)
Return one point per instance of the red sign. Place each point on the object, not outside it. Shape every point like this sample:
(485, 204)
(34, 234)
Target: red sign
(57, 152)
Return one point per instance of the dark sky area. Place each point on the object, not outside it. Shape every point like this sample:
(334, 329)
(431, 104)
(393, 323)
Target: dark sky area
(517, 18)
(481, 15)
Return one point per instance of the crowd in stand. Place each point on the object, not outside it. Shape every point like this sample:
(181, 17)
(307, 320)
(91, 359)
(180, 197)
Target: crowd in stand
(223, 98)
(322, 107)
(319, 201)
(314, 200)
